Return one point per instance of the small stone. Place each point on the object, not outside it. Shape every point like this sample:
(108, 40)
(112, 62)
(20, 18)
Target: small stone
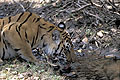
(100, 34)
(14, 72)
(21, 76)
(47, 1)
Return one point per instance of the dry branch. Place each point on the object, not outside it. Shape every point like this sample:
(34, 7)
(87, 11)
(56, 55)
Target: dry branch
(20, 5)
(82, 7)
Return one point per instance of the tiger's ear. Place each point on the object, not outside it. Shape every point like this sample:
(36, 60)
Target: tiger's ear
(62, 25)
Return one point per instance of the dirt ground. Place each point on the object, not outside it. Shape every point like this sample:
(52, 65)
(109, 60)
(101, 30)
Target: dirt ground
(93, 26)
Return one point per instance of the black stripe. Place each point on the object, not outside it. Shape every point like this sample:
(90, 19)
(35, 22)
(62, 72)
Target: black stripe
(11, 26)
(16, 50)
(27, 41)
(37, 20)
(34, 19)
(20, 26)
(50, 29)
(67, 40)
(58, 47)
(37, 35)
(3, 23)
(18, 32)
(44, 45)
(63, 33)
(25, 34)
(4, 34)
(20, 17)
(24, 21)
(33, 41)
(3, 54)
(9, 18)
(42, 36)
(41, 27)
(5, 44)
(43, 24)
(3, 41)
(64, 46)
(61, 51)
(65, 37)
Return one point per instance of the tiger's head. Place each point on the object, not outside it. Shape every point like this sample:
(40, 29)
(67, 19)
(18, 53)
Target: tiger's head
(59, 49)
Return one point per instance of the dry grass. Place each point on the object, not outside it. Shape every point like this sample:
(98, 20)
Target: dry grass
(17, 70)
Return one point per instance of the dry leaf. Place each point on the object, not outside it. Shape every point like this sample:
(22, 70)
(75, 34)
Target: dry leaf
(85, 40)
(80, 50)
(100, 33)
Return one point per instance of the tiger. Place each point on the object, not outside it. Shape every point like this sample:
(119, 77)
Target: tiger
(21, 33)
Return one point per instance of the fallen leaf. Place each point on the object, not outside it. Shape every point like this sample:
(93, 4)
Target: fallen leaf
(100, 33)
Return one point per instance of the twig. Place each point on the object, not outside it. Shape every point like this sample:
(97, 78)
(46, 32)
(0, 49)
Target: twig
(30, 5)
(82, 1)
(64, 6)
(20, 5)
(97, 5)
(112, 4)
(94, 16)
(81, 8)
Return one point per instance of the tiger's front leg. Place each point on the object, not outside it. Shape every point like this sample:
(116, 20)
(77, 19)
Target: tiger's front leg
(16, 41)
(23, 49)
